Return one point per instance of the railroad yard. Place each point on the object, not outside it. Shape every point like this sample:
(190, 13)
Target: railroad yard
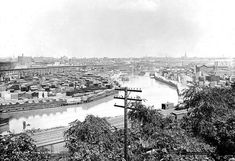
(55, 89)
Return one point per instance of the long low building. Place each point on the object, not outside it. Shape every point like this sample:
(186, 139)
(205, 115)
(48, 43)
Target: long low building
(9, 69)
(7, 65)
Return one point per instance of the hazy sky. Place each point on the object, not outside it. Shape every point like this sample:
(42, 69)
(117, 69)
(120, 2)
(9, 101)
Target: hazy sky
(117, 28)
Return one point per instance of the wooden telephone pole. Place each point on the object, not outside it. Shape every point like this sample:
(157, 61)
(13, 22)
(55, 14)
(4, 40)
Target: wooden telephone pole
(126, 104)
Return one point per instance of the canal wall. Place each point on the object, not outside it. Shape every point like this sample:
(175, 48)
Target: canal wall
(30, 106)
(179, 87)
(167, 82)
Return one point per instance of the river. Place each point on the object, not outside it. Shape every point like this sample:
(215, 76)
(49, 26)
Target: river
(153, 92)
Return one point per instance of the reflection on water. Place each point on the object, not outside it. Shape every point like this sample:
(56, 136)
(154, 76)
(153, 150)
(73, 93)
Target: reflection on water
(154, 92)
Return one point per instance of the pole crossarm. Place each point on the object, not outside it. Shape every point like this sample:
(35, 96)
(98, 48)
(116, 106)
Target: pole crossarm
(130, 99)
(120, 89)
(128, 89)
(134, 90)
(130, 108)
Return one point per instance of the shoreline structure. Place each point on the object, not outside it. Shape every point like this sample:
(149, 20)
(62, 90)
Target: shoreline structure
(55, 103)
(178, 86)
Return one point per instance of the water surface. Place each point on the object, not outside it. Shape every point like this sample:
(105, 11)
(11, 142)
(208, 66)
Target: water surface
(153, 91)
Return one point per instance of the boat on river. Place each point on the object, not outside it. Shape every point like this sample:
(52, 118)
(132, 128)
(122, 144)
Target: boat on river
(125, 79)
(152, 75)
(142, 73)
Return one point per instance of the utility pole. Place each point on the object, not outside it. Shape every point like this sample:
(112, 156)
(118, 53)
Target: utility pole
(126, 104)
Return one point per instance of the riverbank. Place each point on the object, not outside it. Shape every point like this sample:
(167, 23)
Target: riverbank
(165, 81)
(54, 103)
(178, 86)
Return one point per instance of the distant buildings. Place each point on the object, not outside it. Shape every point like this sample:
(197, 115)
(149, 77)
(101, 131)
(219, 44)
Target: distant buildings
(24, 61)
(7, 65)
(184, 69)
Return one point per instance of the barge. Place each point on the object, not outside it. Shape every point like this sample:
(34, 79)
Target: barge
(142, 73)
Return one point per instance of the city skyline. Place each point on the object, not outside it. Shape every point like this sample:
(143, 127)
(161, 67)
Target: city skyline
(156, 57)
(118, 28)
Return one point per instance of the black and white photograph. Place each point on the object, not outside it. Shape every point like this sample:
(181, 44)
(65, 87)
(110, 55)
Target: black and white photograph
(117, 80)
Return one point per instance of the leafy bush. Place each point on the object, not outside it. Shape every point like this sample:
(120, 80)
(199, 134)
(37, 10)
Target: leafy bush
(151, 137)
(162, 138)
(93, 140)
(20, 147)
(212, 117)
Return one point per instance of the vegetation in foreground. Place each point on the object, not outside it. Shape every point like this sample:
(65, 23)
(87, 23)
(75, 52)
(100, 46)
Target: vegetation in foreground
(20, 147)
(207, 132)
